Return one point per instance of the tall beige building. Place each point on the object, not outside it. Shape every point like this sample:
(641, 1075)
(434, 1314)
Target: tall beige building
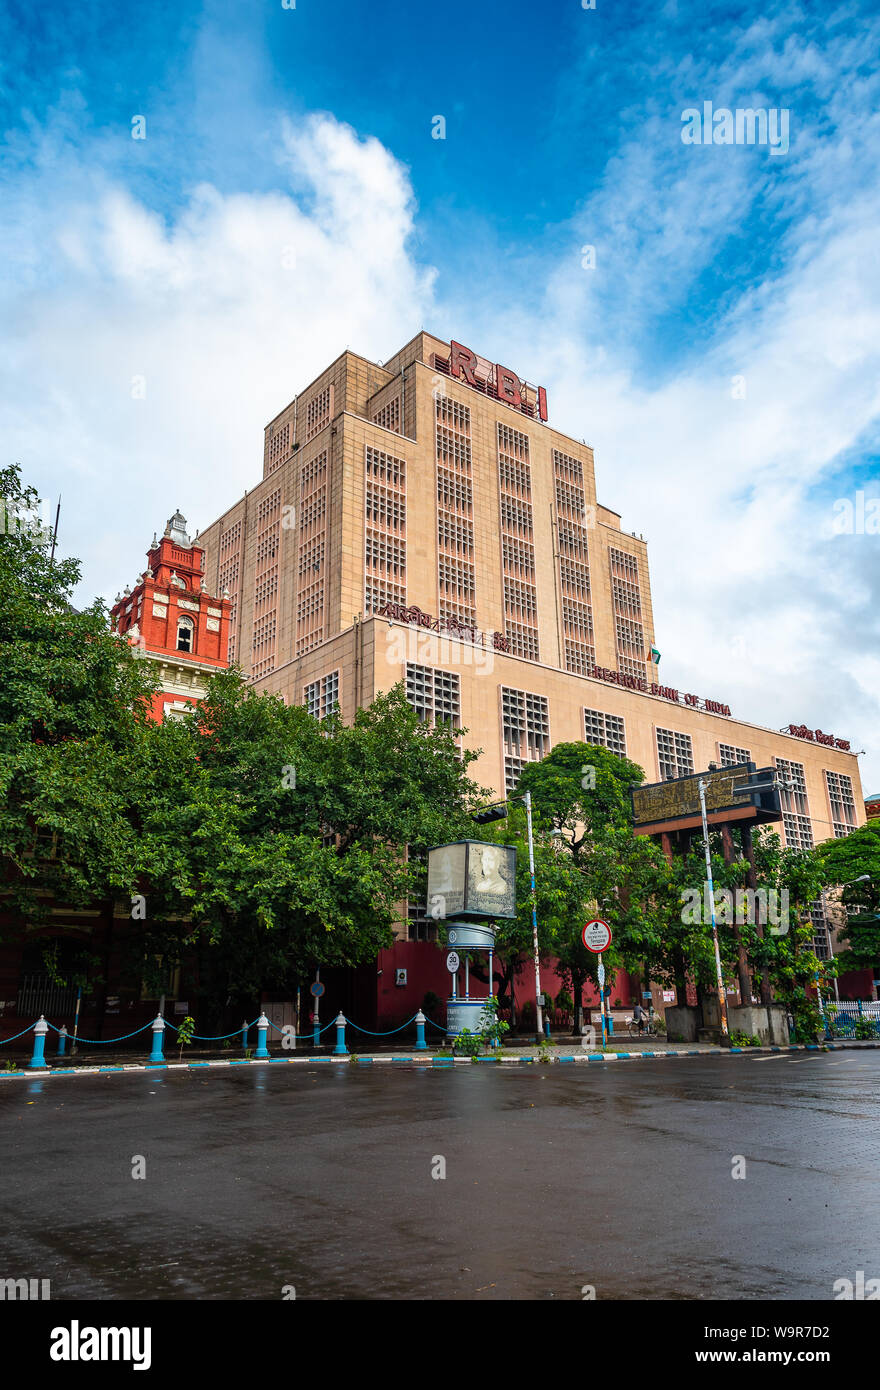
(420, 521)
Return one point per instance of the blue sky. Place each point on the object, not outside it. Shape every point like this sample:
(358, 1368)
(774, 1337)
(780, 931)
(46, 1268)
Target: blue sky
(289, 201)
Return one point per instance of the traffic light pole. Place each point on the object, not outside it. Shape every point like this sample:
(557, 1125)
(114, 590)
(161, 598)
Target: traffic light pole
(539, 1011)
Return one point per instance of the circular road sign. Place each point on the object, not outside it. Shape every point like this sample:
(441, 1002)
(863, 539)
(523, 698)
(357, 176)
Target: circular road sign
(316, 989)
(596, 935)
(452, 962)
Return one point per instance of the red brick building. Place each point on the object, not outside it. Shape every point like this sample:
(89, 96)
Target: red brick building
(170, 619)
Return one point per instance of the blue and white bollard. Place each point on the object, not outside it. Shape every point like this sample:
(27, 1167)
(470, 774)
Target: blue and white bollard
(340, 1050)
(41, 1028)
(62, 1040)
(421, 1045)
(158, 1035)
(244, 1036)
(262, 1030)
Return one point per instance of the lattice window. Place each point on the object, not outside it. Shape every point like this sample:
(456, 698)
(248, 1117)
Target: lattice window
(628, 667)
(516, 516)
(312, 543)
(570, 501)
(322, 696)
(279, 447)
(821, 930)
(384, 536)
(624, 566)
(317, 413)
(386, 556)
(798, 830)
(577, 620)
(514, 477)
(420, 926)
(520, 601)
(434, 695)
(574, 567)
(230, 548)
(231, 539)
(795, 808)
(454, 535)
(313, 475)
(606, 730)
(843, 806)
(575, 578)
(513, 443)
(630, 639)
(454, 414)
(525, 724)
(388, 416)
(386, 509)
(518, 558)
(573, 541)
(579, 657)
(311, 558)
(568, 469)
(453, 449)
(675, 753)
(378, 592)
(268, 528)
(730, 756)
(627, 598)
(456, 580)
(454, 494)
(794, 798)
(523, 641)
(385, 469)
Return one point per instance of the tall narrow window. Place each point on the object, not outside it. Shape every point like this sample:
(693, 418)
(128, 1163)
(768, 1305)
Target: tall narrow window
(525, 731)
(579, 651)
(795, 809)
(185, 632)
(843, 805)
(675, 754)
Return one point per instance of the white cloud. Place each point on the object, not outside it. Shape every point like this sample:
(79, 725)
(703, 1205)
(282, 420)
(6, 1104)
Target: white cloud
(226, 312)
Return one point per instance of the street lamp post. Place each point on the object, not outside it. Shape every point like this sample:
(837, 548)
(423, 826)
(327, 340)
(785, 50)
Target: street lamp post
(722, 994)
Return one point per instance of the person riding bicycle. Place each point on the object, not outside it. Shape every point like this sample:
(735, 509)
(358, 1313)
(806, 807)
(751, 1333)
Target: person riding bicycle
(640, 1017)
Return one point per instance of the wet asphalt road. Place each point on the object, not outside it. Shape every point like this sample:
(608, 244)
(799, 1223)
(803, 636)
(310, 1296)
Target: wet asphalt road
(616, 1176)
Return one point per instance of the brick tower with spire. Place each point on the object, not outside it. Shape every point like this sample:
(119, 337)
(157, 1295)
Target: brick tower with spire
(170, 620)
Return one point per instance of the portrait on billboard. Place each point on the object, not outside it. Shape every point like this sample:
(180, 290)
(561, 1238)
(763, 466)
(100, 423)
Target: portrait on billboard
(491, 879)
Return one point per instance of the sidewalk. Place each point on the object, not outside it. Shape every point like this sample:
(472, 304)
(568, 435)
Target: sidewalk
(121, 1063)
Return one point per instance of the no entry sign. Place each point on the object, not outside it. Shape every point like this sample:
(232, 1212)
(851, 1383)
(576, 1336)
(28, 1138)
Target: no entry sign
(596, 935)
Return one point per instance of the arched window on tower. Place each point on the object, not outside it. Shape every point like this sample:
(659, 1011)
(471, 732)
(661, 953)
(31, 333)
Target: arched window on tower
(185, 631)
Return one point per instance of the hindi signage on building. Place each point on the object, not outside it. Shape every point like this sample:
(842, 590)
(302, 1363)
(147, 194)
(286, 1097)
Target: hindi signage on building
(817, 736)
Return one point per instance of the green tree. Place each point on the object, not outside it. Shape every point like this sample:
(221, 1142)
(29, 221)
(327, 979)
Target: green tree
(74, 704)
(846, 860)
(281, 837)
(581, 800)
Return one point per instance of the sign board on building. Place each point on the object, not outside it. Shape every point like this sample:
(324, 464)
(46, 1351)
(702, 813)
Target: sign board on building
(470, 878)
(466, 366)
(675, 804)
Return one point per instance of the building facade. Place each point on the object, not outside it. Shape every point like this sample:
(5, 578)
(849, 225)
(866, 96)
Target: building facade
(419, 520)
